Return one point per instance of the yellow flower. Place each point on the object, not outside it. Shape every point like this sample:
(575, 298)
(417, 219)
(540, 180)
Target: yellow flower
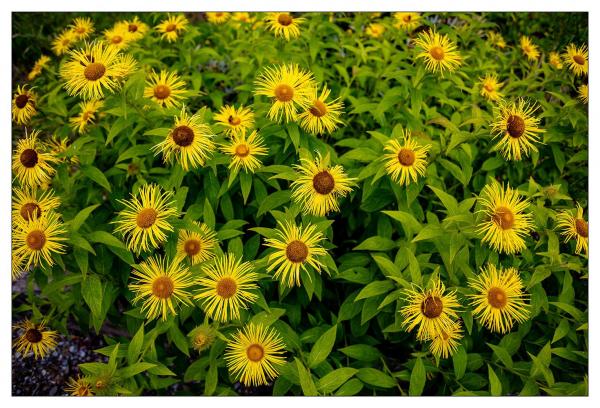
(242, 17)
(63, 42)
(439, 52)
(161, 286)
(235, 121)
(145, 220)
(405, 161)
(583, 93)
(40, 64)
(375, 30)
(31, 163)
(255, 355)
(499, 300)
(490, 87)
(202, 337)
(244, 151)
(86, 116)
(34, 338)
(96, 69)
(496, 39)
(554, 60)
(529, 48)
(197, 246)
(407, 21)
(319, 186)
(23, 105)
(284, 25)
(227, 287)
(28, 203)
(321, 116)
(446, 342)
(516, 128)
(118, 36)
(82, 27)
(296, 249)
(504, 223)
(218, 17)
(574, 227)
(190, 141)
(17, 266)
(577, 59)
(165, 88)
(79, 387)
(36, 239)
(136, 28)
(289, 87)
(430, 309)
(172, 27)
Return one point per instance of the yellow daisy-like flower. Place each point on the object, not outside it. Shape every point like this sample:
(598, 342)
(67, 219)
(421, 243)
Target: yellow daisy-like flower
(504, 223)
(202, 337)
(375, 30)
(36, 239)
(236, 121)
(516, 128)
(445, 343)
(87, 115)
(407, 21)
(297, 249)
(95, 69)
(165, 88)
(23, 105)
(583, 93)
(290, 88)
(190, 141)
(197, 246)
(63, 42)
(499, 300)
(431, 309)
(255, 355)
(82, 27)
(28, 203)
(218, 17)
(17, 266)
(284, 25)
(226, 287)
(555, 60)
(244, 151)
(574, 227)
(321, 116)
(577, 59)
(496, 39)
(145, 220)
(172, 27)
(405, 161)
(161, 286)
(34, 338)
(31, 162)
(490, 87)
(118, 36)
(529, 48)
(242, 17)
(79, 387)
(39, 65)
(439, 52)
(59, 147)
(136, 28)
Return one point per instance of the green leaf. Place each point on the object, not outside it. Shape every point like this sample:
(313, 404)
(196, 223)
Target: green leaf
(376, 243)
(306, 381)
(179, 339)
(502, 354)
(209, 214)
(94, 174)
(459, 359)
(374, 289)
(417, 378)
(376, 378)
(135, 346)
(352, 387)
(408, 221)
(334, 379)
(81, 216)
(495, 384)
(268, 317)
(362, 352)
(561, 331)
(134, 369)
(91, 290)
(273, 201)
(212, 379)
(429, 232)
(322, 347)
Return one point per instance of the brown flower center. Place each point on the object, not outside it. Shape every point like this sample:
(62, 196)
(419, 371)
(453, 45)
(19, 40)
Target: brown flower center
(488, 87)
(242, 150)
(183, 136)
(504, 218)
(226, 288)
(318, 109)
(162, 91)
(582, 227)
(407, 18)
(406, 157)
(36, 240)
(437, 53)
(515, 126)
(21, 101)
(83, 391)
(323, 182)
(285, 19)
(234, 120)
(66, 42)
(80, 30)
(296, 251)
(579, 59)
(86, 116)
(432, 307)
(132, 28)
(163, 287)
(33, 335)
(146, 218)
(200, 340)
(171, 27)
(28, 210)
(94, 71)
(116, 39)
(497, 297)
(192, 247)
(255, 352)
(29, 158)
(284, 93)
